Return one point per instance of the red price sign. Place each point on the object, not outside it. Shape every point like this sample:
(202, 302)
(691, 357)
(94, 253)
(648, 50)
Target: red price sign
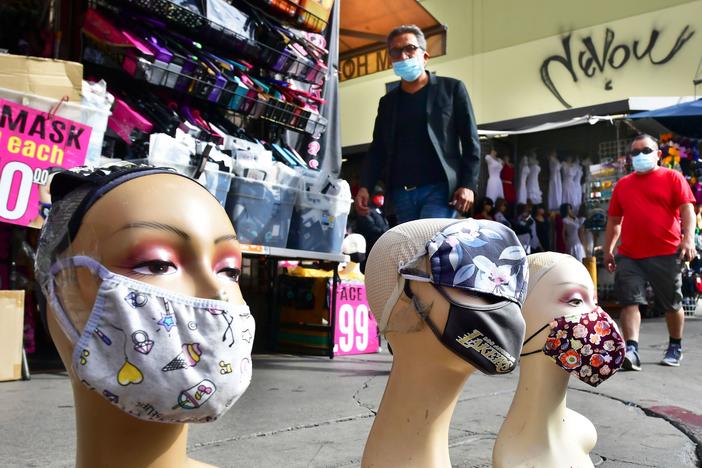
(356, 331)
(32, 144)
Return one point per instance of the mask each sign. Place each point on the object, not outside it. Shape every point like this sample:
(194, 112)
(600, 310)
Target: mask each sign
(32, 145)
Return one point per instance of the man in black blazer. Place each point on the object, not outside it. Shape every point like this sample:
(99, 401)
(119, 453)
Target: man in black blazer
(425, 146)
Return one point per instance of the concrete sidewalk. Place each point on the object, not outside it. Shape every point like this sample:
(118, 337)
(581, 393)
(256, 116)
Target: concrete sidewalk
(314, 412)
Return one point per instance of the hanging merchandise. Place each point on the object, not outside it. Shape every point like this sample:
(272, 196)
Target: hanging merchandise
(507, 176)
(533, 189)
(225, 80)
(494, 184)
(555, 183)
(522, 191)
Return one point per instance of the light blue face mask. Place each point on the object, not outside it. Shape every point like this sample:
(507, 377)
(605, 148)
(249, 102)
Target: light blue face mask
(409, 69)
(644, 162)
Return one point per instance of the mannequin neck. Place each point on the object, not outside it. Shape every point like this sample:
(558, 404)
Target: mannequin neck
(412, 424)
(542, 389)
(109, 437)
(539, 429)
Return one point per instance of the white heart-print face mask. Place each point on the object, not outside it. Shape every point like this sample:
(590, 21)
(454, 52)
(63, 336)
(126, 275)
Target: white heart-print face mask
(158, 355)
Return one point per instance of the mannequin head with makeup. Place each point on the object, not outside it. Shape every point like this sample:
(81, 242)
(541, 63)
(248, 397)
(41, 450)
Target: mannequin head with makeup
(581, 340)
(117, 241)
(433, 329)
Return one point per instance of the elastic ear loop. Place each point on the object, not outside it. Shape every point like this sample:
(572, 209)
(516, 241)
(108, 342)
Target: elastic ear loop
(530, 338)
(422, 311)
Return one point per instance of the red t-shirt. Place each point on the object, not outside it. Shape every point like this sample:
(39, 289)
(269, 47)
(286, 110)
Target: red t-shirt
(649, 205)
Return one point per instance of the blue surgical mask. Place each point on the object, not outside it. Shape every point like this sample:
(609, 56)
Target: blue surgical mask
(409, 69)
(644, 162)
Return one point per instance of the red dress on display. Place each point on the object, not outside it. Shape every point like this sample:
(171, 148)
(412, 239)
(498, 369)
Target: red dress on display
(507, 176)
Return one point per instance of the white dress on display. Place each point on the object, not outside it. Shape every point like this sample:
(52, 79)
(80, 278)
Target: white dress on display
(555, 186)
(572, 240)
(577, 186)
(533, 190)
(571, 174)
(522, 186)
(494, 183)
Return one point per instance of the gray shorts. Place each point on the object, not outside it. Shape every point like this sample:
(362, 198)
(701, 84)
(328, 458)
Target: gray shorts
(662, 272)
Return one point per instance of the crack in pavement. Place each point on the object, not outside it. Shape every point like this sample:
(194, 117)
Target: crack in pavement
(321, 446)
(356, 397)
(653, 414)
(297, 427)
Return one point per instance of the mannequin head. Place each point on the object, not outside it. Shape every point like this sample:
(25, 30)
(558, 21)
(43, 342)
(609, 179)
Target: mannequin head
(558, 285)
(392, 309)
(567, 336)
(501, 206)
(478, 269)
(134, 226)
(540, 211)
(138, 230)
(438, 312)
(486, 206)
(566, 210)
(561, 306)
(354, 245)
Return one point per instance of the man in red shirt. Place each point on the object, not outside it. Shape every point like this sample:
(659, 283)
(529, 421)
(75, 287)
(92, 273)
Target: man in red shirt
(646, 209)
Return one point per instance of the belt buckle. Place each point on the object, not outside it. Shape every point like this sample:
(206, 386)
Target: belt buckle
(409, 188)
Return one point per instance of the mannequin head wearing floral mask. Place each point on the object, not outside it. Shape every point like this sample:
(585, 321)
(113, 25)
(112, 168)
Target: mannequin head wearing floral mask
(407, 49)
(644, 154)
(564, 321)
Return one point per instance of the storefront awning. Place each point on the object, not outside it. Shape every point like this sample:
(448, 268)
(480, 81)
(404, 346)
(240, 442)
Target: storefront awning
(609, 111)
(365, 25)
(684, 119)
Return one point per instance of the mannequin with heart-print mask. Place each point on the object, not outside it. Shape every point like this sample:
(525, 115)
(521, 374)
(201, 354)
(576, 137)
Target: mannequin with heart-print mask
(560, 314)
(137, 231)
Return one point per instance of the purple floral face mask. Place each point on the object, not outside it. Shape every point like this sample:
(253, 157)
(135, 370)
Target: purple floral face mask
(588, 345)
(477, 257)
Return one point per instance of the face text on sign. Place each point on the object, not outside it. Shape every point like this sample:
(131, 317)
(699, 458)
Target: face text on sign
(38, 126)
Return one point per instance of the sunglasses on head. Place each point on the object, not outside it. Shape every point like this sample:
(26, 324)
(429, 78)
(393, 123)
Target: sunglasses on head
(409, 50)
(645, 150)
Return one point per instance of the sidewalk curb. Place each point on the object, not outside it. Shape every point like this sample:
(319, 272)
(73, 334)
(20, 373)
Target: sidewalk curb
(673, 415)
(685, 421)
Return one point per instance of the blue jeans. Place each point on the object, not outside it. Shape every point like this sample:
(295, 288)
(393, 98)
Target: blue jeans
(424, 201)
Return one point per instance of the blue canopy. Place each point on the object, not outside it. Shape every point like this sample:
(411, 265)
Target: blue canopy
(684, 119)
(685, 109)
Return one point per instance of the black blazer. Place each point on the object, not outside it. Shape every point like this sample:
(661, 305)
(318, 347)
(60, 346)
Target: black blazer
(452, 131)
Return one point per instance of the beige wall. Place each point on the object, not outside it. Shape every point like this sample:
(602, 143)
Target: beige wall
(497, 48)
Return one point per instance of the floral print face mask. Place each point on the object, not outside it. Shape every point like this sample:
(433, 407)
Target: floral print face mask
(477, 258)
(588, 345)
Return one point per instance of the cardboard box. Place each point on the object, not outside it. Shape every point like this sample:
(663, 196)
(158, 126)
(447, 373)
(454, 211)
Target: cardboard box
(41, 76)
(11, 333)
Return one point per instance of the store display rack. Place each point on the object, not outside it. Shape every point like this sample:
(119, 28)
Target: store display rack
(294, 13)
(195, 25)
(271, 109)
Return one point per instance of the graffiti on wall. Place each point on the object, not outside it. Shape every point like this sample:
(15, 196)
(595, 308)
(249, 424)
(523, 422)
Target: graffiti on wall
(586, 59)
